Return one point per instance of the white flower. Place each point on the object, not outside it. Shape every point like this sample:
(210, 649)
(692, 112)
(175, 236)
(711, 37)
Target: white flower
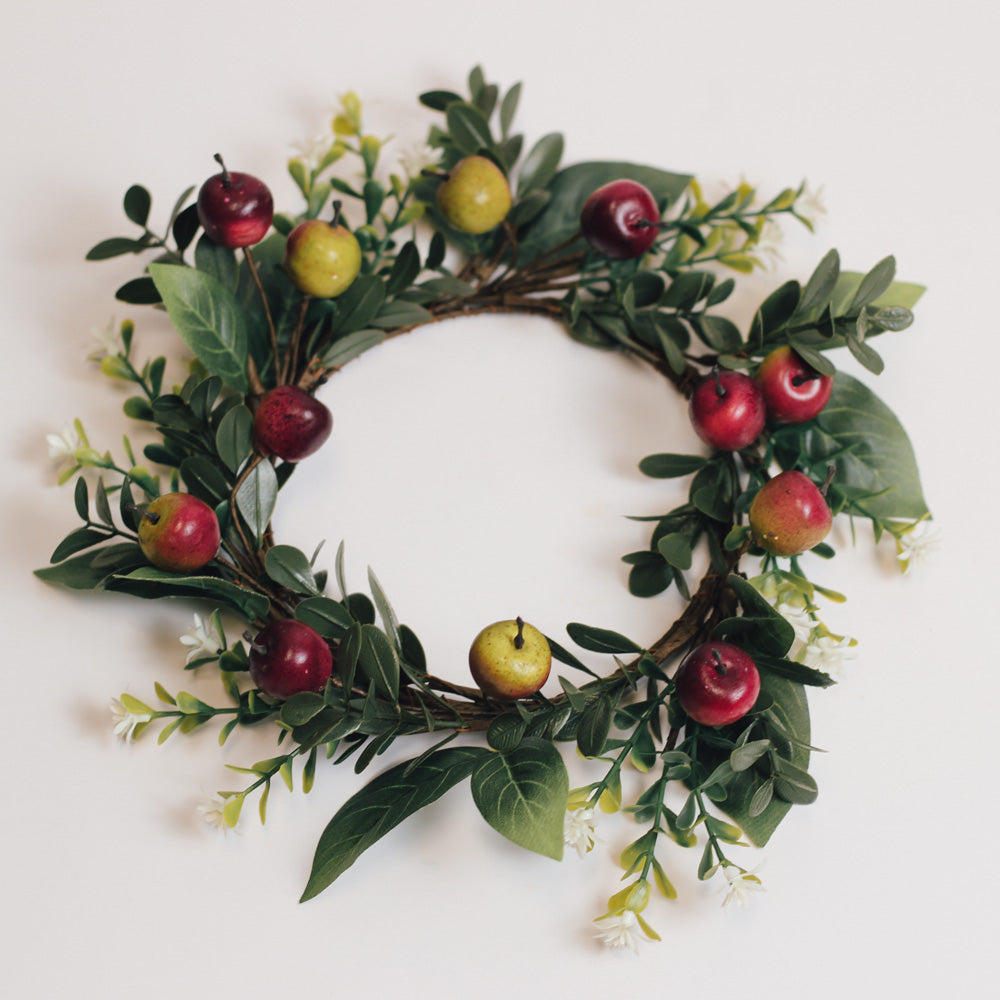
(915, 547)
(767, 244)
(126, 720)
(63, 445)
(202, 639)
(105, 340)
(311, 151)
(827, 652)
(578, 829)
(798, 618)
(417, 157)
(213, 812)
(809, 205)
(741, 885)
(620, 930)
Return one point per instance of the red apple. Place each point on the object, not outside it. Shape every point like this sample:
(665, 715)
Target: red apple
(235, 209)
(727, 410)
(178, 532)
(789, 514)
(794, 391)
(288, 657)
(620, 219)
(717, 683)
(290, 423)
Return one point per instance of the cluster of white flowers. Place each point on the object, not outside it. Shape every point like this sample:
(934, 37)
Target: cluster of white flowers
(105, 340)
(213, 813)
(578, 830)
(740, 886)
(63, 445)
(621, 930)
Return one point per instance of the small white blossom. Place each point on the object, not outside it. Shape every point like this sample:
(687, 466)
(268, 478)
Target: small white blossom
(417, 157)
(915, 547)
(63, 445)
(810, 206)
(768, 243)
(798, 618)
(578, 830)
(311, 151)
(213, 812)
(741, 885)
(126, 720)
(620, 930)
(105, 340)
(202, 639)
(827, 652)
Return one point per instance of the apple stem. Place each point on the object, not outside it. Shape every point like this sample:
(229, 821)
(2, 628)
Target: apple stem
(227, 180)
(720, 389)
(335, 221)
(257, 647)
(519, 638)
(720, 667)
(830, 471)
(143, 511)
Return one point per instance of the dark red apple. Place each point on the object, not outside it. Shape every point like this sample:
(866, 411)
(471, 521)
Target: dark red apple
(620, 219)
(727, 410)
(178, 532)
(288, 657)
(290, 423)
(717, 683)
(794, 391)
(235, 209)
(789, 514)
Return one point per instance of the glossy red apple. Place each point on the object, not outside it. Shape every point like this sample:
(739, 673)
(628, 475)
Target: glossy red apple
(178, 532)
(620, 219)
(235, 209)
(290, 423)
(717, 683)
(794, 391)
(727, 410)
(789, 514)
(288, 657)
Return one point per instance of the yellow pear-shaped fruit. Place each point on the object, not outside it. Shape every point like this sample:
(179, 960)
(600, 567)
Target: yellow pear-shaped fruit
(476, 196)
(510, 659)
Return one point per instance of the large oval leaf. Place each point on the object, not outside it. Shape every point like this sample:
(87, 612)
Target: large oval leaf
(522, 794)
(208, 318)
(870, 450)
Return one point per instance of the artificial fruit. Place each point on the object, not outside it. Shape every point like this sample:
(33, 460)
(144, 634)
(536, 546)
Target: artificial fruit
(727, 410)
(510, 659)
(790, 514)
(290, 423)
(717, 683)
(793, 390)
(322, 258)
(475, 197)
(178, 532)
(620, 219)
(289, 657)
(235, 209)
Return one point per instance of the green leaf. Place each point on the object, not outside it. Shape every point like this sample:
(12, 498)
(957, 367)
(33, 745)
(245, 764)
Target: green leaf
(399, 312)
(570, 188)
(328, 617)
(139, 292)
(870, 451)
(382, 805)
(675, 548)
(289, 567)
(794, 784)
(93, 570)
(469, 128)
(76, 541)
(216, 260)
(667, 466)
(150, 582)
(345, 349)
(256, 498)
(138, 202)
(357, 307)
(405, 269)
(115, 247)
(595, 724)
(234, 438)
(541, 164)
(797, 672)
(379, 661)
(522, 794)
(438, 100)
(600, 640)
(208, 318)
(508, 108)
(821, 284)
(874, 284)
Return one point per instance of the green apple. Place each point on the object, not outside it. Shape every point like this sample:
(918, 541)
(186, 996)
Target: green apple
(322, 258)
(476, 196)
(510, 660)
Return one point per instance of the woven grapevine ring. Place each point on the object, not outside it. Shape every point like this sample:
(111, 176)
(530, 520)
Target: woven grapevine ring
(627, 258)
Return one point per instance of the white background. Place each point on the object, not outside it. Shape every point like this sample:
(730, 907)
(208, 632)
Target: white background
(479, 465)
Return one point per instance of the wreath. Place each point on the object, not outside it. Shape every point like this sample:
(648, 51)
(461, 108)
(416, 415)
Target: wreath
(628, 258)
